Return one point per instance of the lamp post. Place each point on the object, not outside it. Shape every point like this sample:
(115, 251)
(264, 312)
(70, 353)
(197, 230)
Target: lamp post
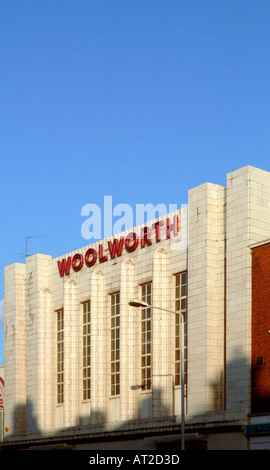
(141, 303)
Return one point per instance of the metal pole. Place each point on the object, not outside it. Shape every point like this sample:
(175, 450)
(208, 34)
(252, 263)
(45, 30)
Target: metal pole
(182, 384)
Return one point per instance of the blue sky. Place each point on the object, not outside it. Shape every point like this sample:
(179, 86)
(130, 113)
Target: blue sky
(139, 100)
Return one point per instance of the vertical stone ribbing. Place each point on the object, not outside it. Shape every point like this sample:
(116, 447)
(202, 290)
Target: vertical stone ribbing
(15, 349)
(129, 345)
(70, 341)
(47, 359)
(248, 213)
(162, 324)
(37, 278)
(99, 348)
(206, 298)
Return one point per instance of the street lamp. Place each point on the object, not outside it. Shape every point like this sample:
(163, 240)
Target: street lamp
(141, 303)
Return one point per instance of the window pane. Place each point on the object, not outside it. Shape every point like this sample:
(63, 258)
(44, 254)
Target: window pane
(115, 343)
(180, 306)
(60, 356)
(146, 334)
(86, 350)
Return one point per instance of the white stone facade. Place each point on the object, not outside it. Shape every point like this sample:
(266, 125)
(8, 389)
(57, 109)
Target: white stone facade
(223, 222)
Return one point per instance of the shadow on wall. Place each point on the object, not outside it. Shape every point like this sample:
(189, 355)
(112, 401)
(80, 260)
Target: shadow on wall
(238, 370)
(227, 388)
(25, 425)
(260, 401)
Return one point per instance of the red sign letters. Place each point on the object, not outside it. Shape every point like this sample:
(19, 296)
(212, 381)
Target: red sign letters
(115, 247)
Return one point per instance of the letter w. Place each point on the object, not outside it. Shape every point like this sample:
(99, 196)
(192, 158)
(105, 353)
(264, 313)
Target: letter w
(64, 266)
(116, 247)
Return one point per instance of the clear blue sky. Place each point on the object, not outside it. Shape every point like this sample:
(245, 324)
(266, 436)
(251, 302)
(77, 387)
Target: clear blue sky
(139, 100)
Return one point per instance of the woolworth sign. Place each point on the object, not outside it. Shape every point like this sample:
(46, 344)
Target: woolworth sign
(116, 246)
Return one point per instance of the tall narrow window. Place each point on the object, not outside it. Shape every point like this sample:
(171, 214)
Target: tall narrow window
(86, 350)
(180, 306)
(146, 338)
(115, 344)
(60, 356)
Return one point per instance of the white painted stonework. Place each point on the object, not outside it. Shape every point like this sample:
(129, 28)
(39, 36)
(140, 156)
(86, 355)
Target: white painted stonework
(222, 224)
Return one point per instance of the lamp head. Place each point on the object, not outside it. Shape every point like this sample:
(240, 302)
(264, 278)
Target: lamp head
(138, 303)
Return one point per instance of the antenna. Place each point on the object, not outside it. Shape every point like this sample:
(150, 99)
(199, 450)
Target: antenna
(26, 242)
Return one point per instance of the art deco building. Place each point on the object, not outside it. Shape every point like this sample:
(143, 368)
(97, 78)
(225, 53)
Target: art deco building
(85, 369)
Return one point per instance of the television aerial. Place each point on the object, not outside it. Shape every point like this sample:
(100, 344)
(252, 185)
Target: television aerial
(26, 242)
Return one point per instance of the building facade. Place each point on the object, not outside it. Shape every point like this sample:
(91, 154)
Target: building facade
(85, 369)
(2, 395)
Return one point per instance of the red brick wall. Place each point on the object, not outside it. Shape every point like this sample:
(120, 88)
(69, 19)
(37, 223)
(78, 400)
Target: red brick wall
(260, 360)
